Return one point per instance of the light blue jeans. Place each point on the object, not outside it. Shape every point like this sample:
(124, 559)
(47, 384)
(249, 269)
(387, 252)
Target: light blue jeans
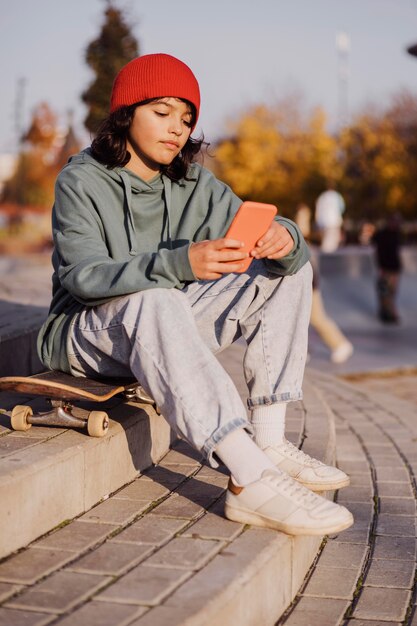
(167, 339)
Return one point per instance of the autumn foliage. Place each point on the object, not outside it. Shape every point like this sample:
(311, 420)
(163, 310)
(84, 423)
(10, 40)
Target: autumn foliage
(282, 155)
(39, 161)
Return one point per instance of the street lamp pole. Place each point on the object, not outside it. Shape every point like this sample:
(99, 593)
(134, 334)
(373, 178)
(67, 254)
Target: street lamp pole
(343, 50)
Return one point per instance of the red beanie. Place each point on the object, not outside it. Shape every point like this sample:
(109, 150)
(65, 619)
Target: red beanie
(154, 76)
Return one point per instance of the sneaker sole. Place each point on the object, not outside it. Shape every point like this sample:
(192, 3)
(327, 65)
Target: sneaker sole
(324, 487)
(245, 516)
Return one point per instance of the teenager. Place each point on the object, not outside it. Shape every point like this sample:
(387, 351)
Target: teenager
(146, 285)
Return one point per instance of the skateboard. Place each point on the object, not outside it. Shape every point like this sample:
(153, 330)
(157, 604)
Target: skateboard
(63, 391)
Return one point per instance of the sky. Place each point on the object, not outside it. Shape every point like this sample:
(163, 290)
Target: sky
(243, 52)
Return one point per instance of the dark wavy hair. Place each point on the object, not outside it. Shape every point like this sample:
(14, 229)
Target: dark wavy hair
(109, 145)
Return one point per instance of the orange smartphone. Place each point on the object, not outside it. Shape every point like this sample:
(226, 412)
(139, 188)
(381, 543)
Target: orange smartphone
(251, 221)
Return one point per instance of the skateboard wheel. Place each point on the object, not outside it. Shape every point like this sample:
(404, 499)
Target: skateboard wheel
(20, 415)
(97, 423)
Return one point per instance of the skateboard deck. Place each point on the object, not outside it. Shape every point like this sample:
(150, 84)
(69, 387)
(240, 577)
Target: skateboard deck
(63, 390)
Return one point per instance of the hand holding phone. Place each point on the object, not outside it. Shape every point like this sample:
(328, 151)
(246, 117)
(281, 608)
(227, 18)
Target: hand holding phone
(250, 223)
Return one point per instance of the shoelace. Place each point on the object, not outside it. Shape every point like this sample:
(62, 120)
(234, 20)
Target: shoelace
(294, 452)
(294, 489)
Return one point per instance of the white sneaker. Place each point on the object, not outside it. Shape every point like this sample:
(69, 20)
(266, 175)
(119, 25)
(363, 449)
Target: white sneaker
(342, 353)
(312, 473)
(279, 502)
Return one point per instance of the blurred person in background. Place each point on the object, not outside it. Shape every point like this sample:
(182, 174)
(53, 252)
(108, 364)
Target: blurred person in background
(330, 207)
(387, 244)
(340, 347)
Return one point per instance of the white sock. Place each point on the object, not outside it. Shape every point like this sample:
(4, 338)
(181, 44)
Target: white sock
(268, 423)
(245, 461)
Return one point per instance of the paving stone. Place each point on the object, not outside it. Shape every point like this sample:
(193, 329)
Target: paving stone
(380, 603)
(76, 537)
(397, 506)
(200, 492)
(11, 617)
(355, 455)
(186, 552)
(145, 585)
(342, 555)
(184, 448)
(355, 494)
(363, 512)
(151, 529)
(103, 614)
(332, 583)
(378, 449)
(317, 611)
(142, 489)
(32, 564)
(111, 558)
(115, 511)
(396, 548)
(7, 590)
(395, 490)
(361, 480)
(219, 473)
(214, 526)
(187, 456)
(59, 592)
(353, 467)
(358, 533)
(390, 573)
(170, 476)
(396, 525)
(389, 474)
(178, 507)
(211, 477)
(387, 461)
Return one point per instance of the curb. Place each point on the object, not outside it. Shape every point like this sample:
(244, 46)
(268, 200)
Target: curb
(48, 479)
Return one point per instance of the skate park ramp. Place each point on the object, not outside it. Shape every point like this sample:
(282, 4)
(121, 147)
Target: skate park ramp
(347, 281)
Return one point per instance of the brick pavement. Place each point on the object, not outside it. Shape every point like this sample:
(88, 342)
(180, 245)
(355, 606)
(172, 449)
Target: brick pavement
(366, 576)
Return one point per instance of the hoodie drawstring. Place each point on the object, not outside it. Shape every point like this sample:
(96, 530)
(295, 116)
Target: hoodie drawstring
(130, 223)
(167, 193)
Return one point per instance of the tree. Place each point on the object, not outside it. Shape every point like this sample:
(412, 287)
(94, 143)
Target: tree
(375, 167)
(114, 47)
(277, 154)
(33, 180)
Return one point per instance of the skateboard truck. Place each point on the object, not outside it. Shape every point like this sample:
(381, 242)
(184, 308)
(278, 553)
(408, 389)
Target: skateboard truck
(22, 418)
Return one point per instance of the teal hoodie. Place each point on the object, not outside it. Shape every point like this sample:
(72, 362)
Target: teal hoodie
(116, 234)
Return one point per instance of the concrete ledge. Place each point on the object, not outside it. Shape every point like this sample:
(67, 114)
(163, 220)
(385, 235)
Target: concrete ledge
(51, 475)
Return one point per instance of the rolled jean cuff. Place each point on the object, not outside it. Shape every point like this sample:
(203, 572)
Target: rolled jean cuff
(288, 396)
(219, 434)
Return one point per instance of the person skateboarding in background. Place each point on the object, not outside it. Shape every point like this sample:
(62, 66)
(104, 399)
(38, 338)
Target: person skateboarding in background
(387, 243)
(146, 285)
(332, 336)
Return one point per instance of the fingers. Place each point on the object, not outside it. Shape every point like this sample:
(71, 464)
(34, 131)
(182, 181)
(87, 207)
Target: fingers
(210, 259)
(275, 244)
(216, 270)
(228, 243)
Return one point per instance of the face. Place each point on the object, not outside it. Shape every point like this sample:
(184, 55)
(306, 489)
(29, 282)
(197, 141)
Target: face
(158, 132)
